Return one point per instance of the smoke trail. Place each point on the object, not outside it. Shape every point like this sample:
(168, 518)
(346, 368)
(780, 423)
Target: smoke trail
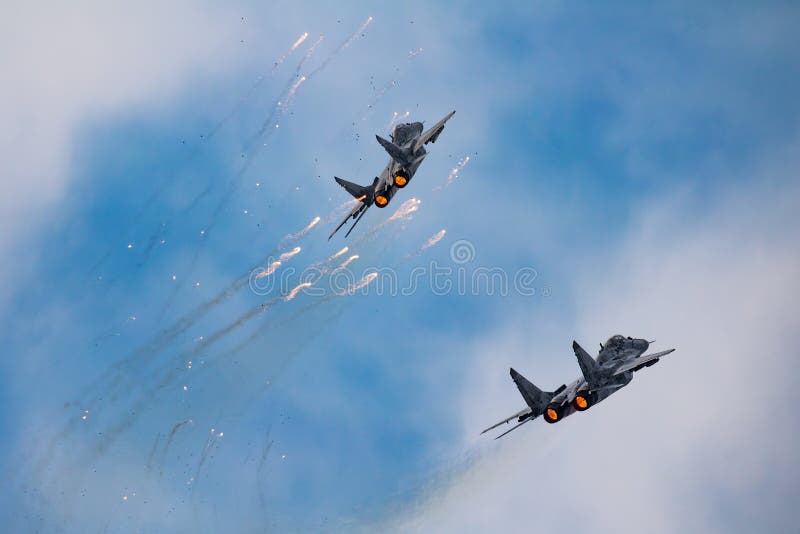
(286, 54)
(453, 174)
(403, 212)
(345, 263)
(260, 470)
(364, 282)
(163, 184)
(256, 85)
(433, 239)
(387, 86)
(275, 264)
(331, 258)
(340, 210)
(281, 106)
(406, 208)
(210, 442)
(296, 290)
(153, 450)
(165, 450)
(294, 237)
(342, 46)
(414, 53)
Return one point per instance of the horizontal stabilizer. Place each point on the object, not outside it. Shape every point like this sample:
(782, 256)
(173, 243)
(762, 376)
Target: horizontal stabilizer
(534, 397)
(356, 190)
(364, 194)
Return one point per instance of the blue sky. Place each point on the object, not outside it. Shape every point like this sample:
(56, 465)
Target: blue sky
(640, 159)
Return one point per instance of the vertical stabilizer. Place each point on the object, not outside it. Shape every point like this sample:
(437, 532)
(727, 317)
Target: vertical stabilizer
(589, 367)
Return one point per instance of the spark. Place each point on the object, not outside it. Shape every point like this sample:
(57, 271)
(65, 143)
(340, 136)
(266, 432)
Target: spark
(434, 239)
(296, 290)
(130, 245)
(414, 53)
(197, 284)
(185, 388)
(174, 277)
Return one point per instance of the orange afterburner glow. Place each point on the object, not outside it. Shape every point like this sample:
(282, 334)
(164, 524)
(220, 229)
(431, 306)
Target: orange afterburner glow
(581, 403)
(381, 200)
(552, 414)
(400, 181)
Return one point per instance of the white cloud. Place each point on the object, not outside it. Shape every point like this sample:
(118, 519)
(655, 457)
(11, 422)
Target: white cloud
(65, 65)
(701, 442)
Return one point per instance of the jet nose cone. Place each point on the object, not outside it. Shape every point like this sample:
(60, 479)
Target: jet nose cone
(641, 344)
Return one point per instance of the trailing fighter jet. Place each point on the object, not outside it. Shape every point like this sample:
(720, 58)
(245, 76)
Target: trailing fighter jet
(613, 369)
(406, 152)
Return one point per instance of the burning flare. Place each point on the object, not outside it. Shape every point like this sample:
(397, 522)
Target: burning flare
(454, 172)
(275, 264)
(434, 239)
(296, 290)
(360, 284)
(345, 249)
(346, 262)
(305, 230)
(298, 42)
(406, 208)
(286, 255)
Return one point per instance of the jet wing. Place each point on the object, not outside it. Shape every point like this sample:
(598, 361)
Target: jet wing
(641, 360)
(433, 133)
(517, 415)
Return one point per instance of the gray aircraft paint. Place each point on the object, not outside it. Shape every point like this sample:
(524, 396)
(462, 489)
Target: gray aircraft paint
(406, 151)
(612, 370)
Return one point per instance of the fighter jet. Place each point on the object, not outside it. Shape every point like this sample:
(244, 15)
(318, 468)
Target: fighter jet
(406, 152)
(613, 369)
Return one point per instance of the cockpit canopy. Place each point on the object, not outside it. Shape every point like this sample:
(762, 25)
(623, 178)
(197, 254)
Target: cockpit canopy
(615, 341)
(403, 133)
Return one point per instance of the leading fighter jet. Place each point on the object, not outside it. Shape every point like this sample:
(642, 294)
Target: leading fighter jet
(406, 152)
(613, 369)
